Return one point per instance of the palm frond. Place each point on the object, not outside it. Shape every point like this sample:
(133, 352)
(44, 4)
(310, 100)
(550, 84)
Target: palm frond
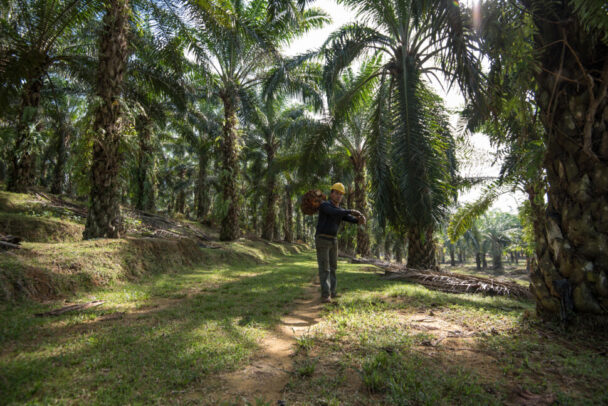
(465, 217)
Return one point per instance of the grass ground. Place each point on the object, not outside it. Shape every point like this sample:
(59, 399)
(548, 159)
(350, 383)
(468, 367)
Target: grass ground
(383, 342)
(393, 343)
(151, 340)
(177, 318)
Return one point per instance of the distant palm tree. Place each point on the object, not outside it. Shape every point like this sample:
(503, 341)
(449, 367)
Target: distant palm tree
(497, 230)
(201, 126)
(275, 123)
(36, 36)
(236, 51)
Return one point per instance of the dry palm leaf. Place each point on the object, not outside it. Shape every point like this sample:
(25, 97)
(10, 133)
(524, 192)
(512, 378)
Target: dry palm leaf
(451, 282)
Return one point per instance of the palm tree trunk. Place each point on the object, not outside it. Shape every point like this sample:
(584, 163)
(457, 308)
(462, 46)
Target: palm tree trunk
(21, 171)
(270, 210)
(478, 261)
(202, 191)
(380, 239)
(387, 249)
(103, 219)
(399, 246)
(229, 172)
(180, 200)
(43, 170)
(363, 245)
(421, 249)
(299, 227)
(144, 194)
(572, 247)
(452, 255)
(288, 224)
(497, 261)
(63, 139)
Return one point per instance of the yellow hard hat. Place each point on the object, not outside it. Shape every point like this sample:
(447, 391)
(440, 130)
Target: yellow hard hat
(339, 187)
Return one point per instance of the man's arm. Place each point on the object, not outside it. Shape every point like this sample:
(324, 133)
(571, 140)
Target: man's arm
(350, 219)
(330, 210)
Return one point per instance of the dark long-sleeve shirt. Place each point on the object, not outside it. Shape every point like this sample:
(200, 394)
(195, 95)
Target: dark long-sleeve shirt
(330, 217)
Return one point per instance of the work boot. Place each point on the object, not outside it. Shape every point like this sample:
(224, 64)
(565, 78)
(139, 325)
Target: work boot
(335, 295)
(326, 299)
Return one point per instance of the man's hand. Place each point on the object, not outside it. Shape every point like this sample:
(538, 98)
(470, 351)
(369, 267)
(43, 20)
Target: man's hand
(362, 219)
(356, 213)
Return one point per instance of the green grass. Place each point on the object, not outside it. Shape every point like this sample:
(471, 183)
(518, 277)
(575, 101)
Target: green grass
(368, 335)
(44, 270)
(33, 220)
(176, 316)
(173, 333)
(177, 331)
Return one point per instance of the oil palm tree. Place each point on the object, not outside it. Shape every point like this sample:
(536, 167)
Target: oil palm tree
(236, 52)
(498, 230)
(113, 73)
(411, 149)
(275, 125)
(352, 132)
(157, 86)
(35, 37)
(103, 219)
(201, 126)
(558, 53)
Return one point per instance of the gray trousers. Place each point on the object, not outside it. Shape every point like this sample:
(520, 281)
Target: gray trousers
(327, 258)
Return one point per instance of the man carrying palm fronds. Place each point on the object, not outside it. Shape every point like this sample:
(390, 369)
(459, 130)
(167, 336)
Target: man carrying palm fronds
(326, 240)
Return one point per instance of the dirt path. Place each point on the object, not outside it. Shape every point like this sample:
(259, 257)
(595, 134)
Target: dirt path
(266, 376)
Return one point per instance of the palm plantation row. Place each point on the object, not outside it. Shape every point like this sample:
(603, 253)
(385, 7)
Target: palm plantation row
(193, 108)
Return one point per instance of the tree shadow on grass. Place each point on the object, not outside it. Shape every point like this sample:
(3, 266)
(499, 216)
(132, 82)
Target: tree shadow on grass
(157, 350)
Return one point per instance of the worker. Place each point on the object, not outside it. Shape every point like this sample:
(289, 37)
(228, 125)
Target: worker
(326, 240)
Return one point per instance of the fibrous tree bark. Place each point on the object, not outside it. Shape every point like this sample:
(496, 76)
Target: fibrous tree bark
(145, 180)
(21, 171)
(571, 275)
(421, 248)
(229, 170)
(363, 245)
(103, 218)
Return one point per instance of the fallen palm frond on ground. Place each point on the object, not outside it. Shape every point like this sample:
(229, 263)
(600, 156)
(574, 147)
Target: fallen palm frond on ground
(150, 224)
(71, 308)
(9, 241)
(449, 282)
